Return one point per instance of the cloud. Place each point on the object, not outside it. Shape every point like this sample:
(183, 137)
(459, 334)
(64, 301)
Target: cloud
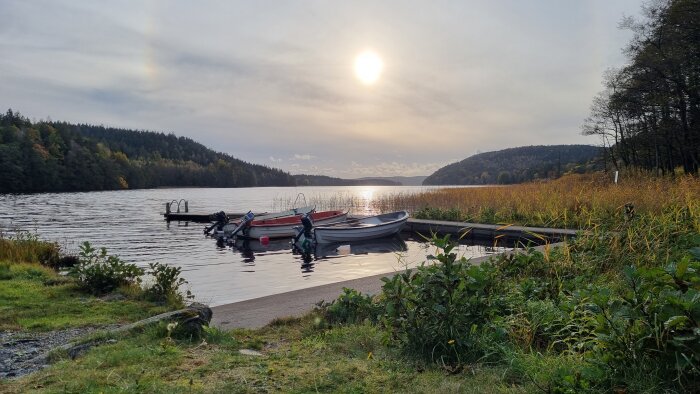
(264, 88)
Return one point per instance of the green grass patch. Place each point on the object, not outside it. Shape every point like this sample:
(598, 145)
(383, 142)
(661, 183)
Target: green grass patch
(33, 297)
(299, 356)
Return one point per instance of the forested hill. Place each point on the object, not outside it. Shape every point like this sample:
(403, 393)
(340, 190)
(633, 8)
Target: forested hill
(517, 165)
(322, 180)
(58, 156)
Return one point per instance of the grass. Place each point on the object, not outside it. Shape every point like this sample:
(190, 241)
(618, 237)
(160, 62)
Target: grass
(574, 201)
(26, 247)
(35, 297)
(298, 357)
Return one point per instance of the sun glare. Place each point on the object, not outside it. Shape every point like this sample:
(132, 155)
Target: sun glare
(368, 67)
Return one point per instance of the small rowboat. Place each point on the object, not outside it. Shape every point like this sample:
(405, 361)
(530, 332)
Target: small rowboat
(231, 227)
(363, 228)
(284, 227)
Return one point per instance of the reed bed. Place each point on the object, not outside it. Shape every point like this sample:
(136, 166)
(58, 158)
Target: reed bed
(574, 201)
(363, 204)
(23, 247)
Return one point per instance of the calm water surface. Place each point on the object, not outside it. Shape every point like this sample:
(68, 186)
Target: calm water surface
(130, 223)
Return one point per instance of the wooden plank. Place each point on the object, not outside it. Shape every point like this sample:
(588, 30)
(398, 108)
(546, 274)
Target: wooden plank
(489, 231)
(198, 217)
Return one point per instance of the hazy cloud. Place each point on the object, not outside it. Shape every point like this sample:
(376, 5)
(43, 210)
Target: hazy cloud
(263, 81)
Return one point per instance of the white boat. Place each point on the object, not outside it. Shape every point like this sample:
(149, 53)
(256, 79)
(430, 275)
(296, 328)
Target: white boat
(362, 228)
(284, 227)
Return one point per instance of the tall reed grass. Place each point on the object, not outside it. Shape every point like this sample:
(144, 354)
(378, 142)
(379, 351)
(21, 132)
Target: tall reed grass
(581, 201)
(24, 247)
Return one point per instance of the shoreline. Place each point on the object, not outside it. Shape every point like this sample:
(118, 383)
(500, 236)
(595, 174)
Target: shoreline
(259, 312)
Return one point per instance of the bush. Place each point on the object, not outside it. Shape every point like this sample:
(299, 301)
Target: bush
(653, 327)
(100, 273)
(351, 307)
(167, 283)
(442, 311)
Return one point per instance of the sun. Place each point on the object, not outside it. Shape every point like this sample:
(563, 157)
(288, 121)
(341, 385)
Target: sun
(368, 67)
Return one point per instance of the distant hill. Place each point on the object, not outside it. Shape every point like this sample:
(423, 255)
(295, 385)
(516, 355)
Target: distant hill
(322, 180)
(402, 180)
(59, 156)
(515, 165)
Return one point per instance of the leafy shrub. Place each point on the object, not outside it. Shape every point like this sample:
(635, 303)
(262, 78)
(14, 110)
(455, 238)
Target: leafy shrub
(442, 311)
(653, 327)
(351, 307)
(100, 273)
(167, 283)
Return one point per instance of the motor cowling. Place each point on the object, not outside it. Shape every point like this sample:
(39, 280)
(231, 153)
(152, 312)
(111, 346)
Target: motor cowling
(304, 236)
(308, 223)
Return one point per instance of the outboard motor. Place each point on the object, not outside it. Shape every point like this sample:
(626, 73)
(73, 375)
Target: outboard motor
(220, 220)
(304, 234)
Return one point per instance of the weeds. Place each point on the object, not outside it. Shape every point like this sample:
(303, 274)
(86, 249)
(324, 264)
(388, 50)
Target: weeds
(26, 247)
(167, 283)
(581, 201)
(99, 273)
(614, 320)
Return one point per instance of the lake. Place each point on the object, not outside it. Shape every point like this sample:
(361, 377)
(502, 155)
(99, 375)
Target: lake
(130, 223)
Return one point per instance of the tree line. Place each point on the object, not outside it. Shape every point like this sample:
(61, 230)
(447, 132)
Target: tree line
(517, 165)
(649, 112)
(59, 156)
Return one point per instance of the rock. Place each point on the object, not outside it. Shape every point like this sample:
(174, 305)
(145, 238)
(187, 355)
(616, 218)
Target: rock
(193, 319)
(113, 297)
(250, 352)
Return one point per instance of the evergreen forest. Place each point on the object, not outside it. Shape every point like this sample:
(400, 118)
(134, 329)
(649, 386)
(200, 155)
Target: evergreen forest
(59, 156)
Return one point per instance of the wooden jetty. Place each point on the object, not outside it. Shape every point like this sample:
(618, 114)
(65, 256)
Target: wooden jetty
(200, 217)
(476, 231)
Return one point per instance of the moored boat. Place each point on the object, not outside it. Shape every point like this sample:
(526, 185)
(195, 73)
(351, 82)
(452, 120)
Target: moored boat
(369, 227)
(284, 227)
(231, 226)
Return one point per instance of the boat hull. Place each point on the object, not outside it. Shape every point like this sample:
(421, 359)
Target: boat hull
(362, 229)
(228, 228)
(287, 230)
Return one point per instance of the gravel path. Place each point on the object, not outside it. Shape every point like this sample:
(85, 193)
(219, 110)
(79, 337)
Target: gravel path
(22, 353)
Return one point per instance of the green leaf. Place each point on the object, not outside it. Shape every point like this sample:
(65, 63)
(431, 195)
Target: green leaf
(676, 322)
(682, 268)
(695, 252)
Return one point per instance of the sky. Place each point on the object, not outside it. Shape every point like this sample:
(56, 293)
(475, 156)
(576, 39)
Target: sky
(272, 82)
